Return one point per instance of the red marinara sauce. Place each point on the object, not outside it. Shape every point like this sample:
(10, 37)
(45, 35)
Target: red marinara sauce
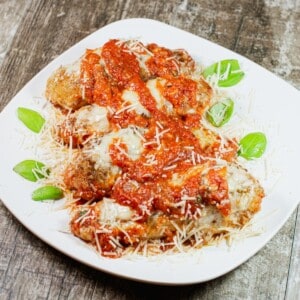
(170, 147)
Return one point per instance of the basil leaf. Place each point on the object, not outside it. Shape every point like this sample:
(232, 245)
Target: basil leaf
(220, 113)
(31, 119)
(31, 170)
(48, 192)
(228, 71)
(253, 145)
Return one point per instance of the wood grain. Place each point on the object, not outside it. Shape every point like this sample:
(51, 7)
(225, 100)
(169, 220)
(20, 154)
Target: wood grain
(33, 33)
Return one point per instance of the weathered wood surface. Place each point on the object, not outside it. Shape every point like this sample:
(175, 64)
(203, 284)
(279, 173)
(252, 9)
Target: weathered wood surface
(34, 32)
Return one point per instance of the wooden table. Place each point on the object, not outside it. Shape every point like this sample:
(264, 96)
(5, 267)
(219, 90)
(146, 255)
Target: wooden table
(33, 33)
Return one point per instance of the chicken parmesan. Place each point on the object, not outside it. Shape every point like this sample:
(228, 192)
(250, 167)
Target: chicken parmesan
(140, 170)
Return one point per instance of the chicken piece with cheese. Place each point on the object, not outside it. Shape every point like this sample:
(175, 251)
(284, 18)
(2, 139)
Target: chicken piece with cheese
(112, 227)
(87, 80)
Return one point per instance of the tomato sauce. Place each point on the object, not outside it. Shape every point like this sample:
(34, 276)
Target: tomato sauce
(170, 147)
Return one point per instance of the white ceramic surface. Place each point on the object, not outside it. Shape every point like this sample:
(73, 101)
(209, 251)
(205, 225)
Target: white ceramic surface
(263, 102)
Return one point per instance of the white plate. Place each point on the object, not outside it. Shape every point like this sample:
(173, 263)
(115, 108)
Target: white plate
(268, 103)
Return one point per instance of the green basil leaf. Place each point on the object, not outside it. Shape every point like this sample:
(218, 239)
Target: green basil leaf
(220, 113)
(48, 192)
(31, 170)
(253, 145)
(31, 119)
(228, 71)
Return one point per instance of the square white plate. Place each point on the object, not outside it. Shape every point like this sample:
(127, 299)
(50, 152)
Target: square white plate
(263, 102)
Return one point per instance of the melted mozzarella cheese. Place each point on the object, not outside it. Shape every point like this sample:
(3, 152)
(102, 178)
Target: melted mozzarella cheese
(127, 136)
(110, 211)
(92, 117)
(134, 99)
(178, 179)
(241, 187)
(206, 137)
